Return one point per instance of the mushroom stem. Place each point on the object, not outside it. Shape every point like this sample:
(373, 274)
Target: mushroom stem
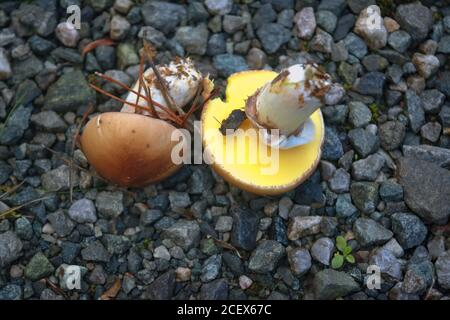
(286, 102)
(148, 50)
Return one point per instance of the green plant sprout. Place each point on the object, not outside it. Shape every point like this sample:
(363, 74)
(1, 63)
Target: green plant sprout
(343, 254)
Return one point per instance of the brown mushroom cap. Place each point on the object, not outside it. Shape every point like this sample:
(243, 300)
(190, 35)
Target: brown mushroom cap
(129, 149)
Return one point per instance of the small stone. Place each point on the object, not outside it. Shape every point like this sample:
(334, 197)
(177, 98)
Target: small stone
(371, 27)
(322, 250)
(11, 292)
(149, 217)
(265, 14)
(367, 169)
(400, 40)
(443, 270)
(224, 224)
(164, 16)
(219, 7)
(357, 5)
(344, 206)
(155, 37)
(49, 121)
(444, 45)
(329, 284)
(300, 226)
(58, 179)
(39, 267)
(305, 22)
(322, 42)
(375, 62)
(363, 141)
(299, 261)
(415, 18)
(10, 248)
(365, 196)
(355, 45)
(245, 282)
(83, 211)
(310, 192)
(183, 274)
(266, 256)
(256, 58)
(109, 204)
(332, 148)
(215, 290)
(273, 36)
(69, 92)
(161, 252)
(67, 34)
(286, 18)
(425, 185)
(439, 156)
(390, 24)
(387, 262)
(23, 228)
(431, 131)
(370, 233)
(409, 229)
(217, 44)
(184, 233)
(162, 288)
(426, 65)
(370, 84)
(327, 170)
(193, 39)
(347, 72)
(391, 191)
(340, 182)
(339, 52)
(179, 199)
(392, 134)
(123, 6)
(232, 24)
(119, 27)
(95, 252)
(436, 247)
(211, 268)
(245, 228)
(432, 100)
(62, 225)
(227, 64)
(5, 67)
(359, 115)
(326, 20)
(16, 125)
(393, 246)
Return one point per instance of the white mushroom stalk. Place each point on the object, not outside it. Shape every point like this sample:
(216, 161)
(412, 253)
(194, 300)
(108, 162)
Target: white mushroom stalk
(287, 102)
(182, 81)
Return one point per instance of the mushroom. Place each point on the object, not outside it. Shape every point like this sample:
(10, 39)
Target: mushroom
(133, 149)
(288, 102)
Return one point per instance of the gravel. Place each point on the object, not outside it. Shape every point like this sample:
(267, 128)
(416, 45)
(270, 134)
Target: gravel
(409, 229)
(382, 181)
(369, 233)
(266, 256)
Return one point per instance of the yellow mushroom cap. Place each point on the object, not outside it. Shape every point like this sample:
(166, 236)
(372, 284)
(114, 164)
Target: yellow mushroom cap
(129, 149)
(295, 165)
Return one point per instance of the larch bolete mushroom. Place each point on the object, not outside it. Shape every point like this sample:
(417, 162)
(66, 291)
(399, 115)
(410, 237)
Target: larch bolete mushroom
(133, 148)
(288, 102)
